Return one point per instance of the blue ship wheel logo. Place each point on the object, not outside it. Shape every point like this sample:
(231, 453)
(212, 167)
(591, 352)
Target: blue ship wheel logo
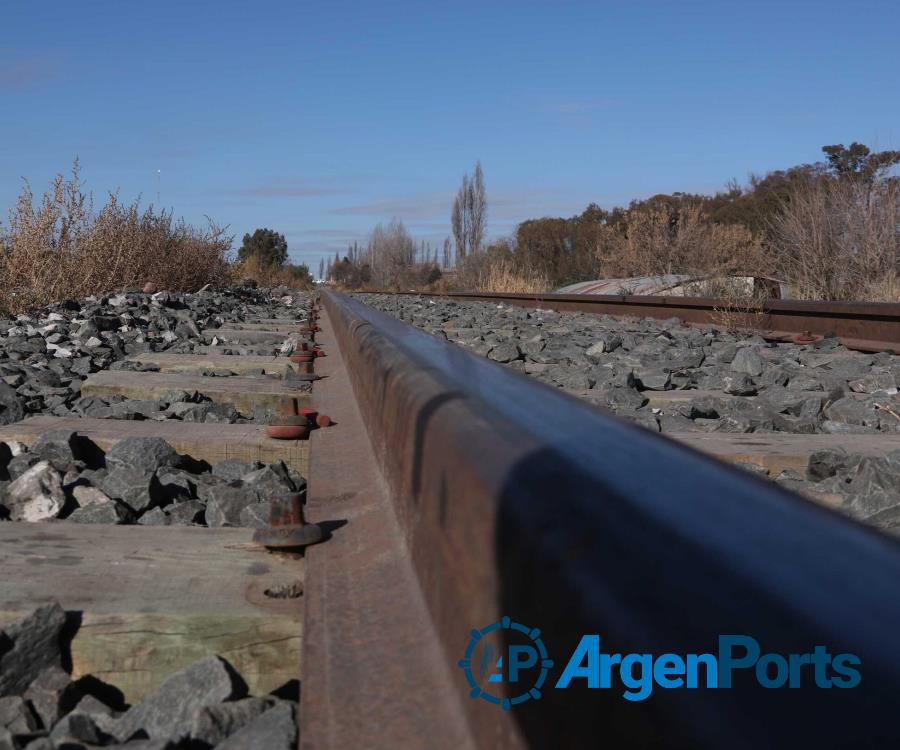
(535, 649)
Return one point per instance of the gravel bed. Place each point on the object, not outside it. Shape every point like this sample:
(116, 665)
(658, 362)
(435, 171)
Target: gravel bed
(761, 387)
(45, 356)
(203, 706)
(140, 480)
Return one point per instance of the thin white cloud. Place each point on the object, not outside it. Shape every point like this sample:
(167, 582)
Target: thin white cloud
(509, 205)
(281, 191)
(423, 206)
(327, 233)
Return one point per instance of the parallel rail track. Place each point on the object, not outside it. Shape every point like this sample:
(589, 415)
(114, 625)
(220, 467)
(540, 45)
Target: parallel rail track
(471, 492)
(867, 326)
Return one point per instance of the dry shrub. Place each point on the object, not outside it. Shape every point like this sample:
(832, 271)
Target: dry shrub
(741, 306)
(63, 249)
(886, 289)
(655, 242)
(447, 283)
(272, 275)
(839, 239)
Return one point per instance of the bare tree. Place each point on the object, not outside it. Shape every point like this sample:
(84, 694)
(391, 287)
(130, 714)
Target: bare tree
(391, 254)
(477, 210)
(458, 217)
(322, 269)
(469, 215)
(446, 259)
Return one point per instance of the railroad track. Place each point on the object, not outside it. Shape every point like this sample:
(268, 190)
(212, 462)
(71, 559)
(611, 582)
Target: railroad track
(457, 493)
(866, 326)
(477, 493)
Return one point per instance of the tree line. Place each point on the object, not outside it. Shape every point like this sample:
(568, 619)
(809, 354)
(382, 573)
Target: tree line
(391, 258)
(830, 228)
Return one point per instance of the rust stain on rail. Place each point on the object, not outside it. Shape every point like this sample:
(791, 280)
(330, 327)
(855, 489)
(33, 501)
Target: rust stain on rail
(373, 671)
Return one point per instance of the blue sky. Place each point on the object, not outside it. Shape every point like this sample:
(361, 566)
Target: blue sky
(321, 119)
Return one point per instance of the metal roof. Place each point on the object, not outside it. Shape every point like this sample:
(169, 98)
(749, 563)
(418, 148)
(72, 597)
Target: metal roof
(642, 285)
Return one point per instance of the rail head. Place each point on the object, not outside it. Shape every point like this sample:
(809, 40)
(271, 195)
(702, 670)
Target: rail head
(516, 499)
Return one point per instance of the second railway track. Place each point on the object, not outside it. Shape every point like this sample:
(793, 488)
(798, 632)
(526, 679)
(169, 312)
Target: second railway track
(867, 326)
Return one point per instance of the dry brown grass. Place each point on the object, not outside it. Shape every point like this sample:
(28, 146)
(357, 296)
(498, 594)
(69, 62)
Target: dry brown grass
(497, 272)
(502, 276)
(62, 249)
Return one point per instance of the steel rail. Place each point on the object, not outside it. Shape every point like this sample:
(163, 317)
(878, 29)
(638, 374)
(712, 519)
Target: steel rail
(867, 326)
(512, 498)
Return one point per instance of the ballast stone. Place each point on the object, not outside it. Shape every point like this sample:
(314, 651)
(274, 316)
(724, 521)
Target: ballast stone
(227, 503)
(168, 712)
(61, 448)
(112, 512)
(232, 469)
(748, 361)
(12, 408)
(37, 495)
(214, 724)
(276, 729)
(86, 495)
(137, 488)
(77, 727)
(142, 453)
(738, 384)
(16, 715)
(51, 695)
(32, 645)
(882, 381)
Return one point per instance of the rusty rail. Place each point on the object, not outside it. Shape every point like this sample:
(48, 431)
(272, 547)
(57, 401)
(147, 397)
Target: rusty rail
(867, 326)
(472, 492)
